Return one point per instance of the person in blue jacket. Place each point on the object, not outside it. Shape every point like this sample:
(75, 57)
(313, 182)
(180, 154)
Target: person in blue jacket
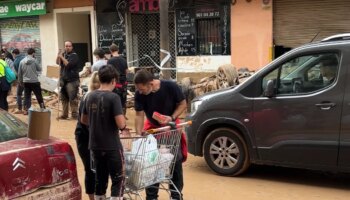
(18, 57)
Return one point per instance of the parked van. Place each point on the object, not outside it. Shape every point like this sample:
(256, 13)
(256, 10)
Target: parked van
(294, 112)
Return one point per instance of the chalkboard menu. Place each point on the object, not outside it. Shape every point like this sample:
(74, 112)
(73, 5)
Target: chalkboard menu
(185, 32)
(187, 20)
(111, 29)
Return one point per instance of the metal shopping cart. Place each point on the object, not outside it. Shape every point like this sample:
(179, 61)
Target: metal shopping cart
(150, 159)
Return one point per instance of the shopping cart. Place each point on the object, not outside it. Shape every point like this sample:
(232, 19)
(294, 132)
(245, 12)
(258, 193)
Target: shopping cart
(150, 159)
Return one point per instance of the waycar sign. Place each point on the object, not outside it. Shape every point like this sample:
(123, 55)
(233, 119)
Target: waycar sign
(22, 8)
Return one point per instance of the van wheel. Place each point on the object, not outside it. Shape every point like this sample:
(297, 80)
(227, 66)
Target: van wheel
(226, 152)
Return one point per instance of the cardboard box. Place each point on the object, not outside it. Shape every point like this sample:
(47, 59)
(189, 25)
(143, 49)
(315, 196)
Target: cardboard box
(53, 71)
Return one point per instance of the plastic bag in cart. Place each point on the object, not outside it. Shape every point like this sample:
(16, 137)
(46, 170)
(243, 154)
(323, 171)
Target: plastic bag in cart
(146, 148)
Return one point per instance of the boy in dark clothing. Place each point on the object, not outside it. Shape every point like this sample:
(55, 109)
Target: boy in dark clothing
(121, 66)
(166, 98)
(104, 115)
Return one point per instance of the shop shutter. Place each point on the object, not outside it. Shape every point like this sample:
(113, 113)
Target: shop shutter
(21, 33)
(296, 22)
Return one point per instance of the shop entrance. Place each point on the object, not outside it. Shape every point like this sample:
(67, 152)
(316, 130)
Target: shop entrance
(76, 27)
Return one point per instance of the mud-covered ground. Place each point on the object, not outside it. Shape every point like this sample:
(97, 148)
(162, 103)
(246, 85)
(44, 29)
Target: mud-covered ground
(259, 183)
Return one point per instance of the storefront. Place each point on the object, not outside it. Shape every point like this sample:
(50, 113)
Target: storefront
(199, 32)
(72, 20)
(19, 25)
(297, 22)
(203, 35)
(135, 27)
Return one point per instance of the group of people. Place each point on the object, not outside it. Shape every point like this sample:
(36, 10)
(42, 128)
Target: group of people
(69, 76)
(102, 120)
(101, 114)
(27, 71)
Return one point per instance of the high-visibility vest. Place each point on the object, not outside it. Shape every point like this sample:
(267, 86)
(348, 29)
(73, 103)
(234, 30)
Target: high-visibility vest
(2, 67)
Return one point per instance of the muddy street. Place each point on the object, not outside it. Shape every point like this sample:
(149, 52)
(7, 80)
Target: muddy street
(259, 183)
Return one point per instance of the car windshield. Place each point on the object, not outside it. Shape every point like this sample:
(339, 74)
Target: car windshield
(11, 127)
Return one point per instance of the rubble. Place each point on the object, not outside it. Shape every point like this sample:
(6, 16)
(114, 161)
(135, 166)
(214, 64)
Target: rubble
(226, 76)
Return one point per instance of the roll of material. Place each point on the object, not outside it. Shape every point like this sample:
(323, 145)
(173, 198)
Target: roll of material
(39, 121)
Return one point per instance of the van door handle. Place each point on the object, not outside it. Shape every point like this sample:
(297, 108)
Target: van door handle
(325, 106)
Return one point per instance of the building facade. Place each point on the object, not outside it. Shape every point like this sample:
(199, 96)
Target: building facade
(203, 34)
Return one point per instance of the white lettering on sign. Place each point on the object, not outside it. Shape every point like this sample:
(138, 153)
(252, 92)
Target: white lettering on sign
(30, 7)
(4, 9)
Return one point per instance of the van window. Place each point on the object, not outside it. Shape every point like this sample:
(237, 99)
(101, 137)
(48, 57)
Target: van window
(304, 74)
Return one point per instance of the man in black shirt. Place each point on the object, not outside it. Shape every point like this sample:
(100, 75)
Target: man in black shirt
(104, 115)
(69, 79)
(166, 98)
(121, 66)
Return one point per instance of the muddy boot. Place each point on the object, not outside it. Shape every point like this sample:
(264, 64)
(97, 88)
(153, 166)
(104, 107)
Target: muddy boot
(65, 105)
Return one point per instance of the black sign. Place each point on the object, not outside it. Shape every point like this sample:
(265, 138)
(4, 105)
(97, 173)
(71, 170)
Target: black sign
(111, 29)
(185, 32)
(225, 29)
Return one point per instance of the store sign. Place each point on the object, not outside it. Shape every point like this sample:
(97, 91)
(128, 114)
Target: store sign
(22, 8)
(137, 6)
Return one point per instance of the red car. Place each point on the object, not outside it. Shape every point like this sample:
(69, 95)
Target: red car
(34, 169)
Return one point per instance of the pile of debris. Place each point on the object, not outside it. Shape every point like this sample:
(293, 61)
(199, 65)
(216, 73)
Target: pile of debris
(226, 76)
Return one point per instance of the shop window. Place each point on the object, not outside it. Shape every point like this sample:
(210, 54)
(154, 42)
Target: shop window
(208, 36)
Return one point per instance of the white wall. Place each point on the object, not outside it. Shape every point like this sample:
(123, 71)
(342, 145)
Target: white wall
(201, 63)
(65, 24)
(48, 39)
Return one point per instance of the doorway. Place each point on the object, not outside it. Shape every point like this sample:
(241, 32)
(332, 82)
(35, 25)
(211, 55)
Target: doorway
(76, 27)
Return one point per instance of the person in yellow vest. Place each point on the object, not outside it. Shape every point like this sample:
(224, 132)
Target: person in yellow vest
(4, 85)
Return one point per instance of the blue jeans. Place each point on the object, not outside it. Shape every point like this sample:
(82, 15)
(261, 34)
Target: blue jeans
(19, 94)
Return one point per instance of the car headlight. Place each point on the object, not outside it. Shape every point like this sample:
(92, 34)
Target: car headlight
(195, 105)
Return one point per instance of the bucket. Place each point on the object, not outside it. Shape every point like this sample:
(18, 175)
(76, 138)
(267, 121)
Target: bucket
(39, 121)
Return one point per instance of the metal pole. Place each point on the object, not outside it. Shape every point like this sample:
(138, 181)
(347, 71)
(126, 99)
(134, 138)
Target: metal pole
(164, 34)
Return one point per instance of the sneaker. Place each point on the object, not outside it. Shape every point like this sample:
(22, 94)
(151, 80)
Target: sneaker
(18, 112)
